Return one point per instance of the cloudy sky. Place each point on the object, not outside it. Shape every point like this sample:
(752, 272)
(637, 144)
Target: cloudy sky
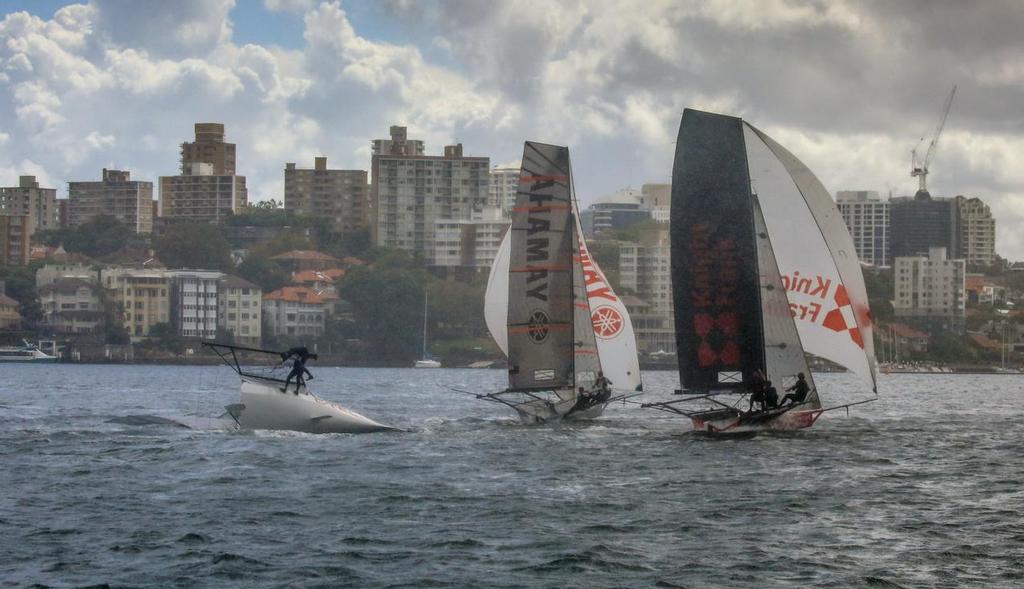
(849, 86)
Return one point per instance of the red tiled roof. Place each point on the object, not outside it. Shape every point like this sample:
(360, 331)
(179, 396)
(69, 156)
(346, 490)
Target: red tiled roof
(304, 255)
(352, 261)
(295, 294)
(8, 301)
(983, 341)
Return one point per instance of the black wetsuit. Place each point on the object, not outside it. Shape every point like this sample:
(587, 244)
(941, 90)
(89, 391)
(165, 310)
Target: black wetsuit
(771, 398)
(298, 369)
(799, 394)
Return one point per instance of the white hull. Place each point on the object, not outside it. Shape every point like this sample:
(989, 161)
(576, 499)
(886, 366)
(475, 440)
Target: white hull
(26, 356)
(427, 364)
(264, 406)
(739, 424)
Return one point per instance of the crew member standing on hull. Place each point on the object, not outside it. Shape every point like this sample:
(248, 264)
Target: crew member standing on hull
(301, 355)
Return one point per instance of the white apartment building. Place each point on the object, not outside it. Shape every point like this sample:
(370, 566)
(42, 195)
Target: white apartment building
(469, 243)
(977, 231)
(194, 302)
(645, 268)
(71, 305)
(867, 218)
(295, 311)
(240, 309)
(504, 183)
(51, 273)
(930, 291)
(410, 192)
(117, 195)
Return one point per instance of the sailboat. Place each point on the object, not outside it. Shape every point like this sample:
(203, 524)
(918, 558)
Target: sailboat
(263, 405)
(763, 270)
(426, 361)
(549, 307)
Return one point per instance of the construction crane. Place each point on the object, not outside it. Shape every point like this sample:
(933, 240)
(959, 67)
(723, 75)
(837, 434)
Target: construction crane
(919, 167)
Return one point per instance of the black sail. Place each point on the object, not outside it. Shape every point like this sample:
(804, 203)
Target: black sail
(716, 290)
(540, 298)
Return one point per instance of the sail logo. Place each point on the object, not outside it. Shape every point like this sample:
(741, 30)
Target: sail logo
(607, 322)
(840, 318)
(715, 265)
(843, 318)
(538, 327)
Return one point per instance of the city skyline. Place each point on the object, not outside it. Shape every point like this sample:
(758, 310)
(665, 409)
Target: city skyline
(849, 86)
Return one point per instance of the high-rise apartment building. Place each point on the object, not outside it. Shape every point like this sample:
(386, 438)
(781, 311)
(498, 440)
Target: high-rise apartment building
(27, 198)
(208, 190)
(342, 196)
(209, 148)
(411, 191)
(201, 195)
(504, 184)
(645, 269)
(929, 291)
(619, 210)
(920, 223)
(117, 195)
(469, 243)
(14, 240)
(976, 232)
(867, 218)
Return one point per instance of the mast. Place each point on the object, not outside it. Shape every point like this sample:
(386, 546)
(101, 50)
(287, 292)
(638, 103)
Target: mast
(425, 323)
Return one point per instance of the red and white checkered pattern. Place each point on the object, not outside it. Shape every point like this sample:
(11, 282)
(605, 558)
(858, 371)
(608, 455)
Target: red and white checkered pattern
(843, 318)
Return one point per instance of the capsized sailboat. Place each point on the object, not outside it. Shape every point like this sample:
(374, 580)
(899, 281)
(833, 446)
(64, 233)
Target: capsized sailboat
(548, 306)
(263, 405)
(763, 269)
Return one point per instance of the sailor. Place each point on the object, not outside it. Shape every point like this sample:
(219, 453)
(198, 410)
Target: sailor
(602, 387)
(771, 396)
(799, 391)
(298, 368)
(757, 390)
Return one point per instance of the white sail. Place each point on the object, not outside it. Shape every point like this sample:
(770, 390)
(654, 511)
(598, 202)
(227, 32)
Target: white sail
(616, 342)
(816, 257)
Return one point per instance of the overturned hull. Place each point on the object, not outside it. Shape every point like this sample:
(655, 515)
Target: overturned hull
(264, 406)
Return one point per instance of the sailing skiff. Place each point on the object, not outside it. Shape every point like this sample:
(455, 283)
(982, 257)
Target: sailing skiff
(763, 270)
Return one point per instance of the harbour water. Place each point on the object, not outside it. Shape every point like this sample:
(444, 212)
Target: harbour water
(922, 488)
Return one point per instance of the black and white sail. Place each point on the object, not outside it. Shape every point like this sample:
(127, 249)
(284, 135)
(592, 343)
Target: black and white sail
(541, 310)
(763, 267)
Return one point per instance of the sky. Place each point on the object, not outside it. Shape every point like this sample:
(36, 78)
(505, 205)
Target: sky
(850, 87)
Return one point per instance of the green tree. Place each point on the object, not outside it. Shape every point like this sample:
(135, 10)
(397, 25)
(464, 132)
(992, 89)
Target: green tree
(456, 309)
(387, 304)
(194, 245)
(20, 285)
(101, 236)
(606, 254)
(949, 347)
(262, 271)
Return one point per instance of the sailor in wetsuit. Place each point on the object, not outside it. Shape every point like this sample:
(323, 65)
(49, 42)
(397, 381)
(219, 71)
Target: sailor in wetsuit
(799, 391)
(602, 388)
(301, 354)
(757, 390)
(771, 396)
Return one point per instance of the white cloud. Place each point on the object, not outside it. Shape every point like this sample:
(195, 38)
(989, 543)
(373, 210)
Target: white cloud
(293, 6)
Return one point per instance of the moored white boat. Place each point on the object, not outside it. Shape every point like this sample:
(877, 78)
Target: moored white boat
(25, 353)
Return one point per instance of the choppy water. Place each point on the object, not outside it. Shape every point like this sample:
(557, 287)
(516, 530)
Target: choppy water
(923, 488)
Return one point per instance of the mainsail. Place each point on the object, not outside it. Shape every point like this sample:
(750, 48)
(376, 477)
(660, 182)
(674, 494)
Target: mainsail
(750, 220)
(541, 313)
(609, 319)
